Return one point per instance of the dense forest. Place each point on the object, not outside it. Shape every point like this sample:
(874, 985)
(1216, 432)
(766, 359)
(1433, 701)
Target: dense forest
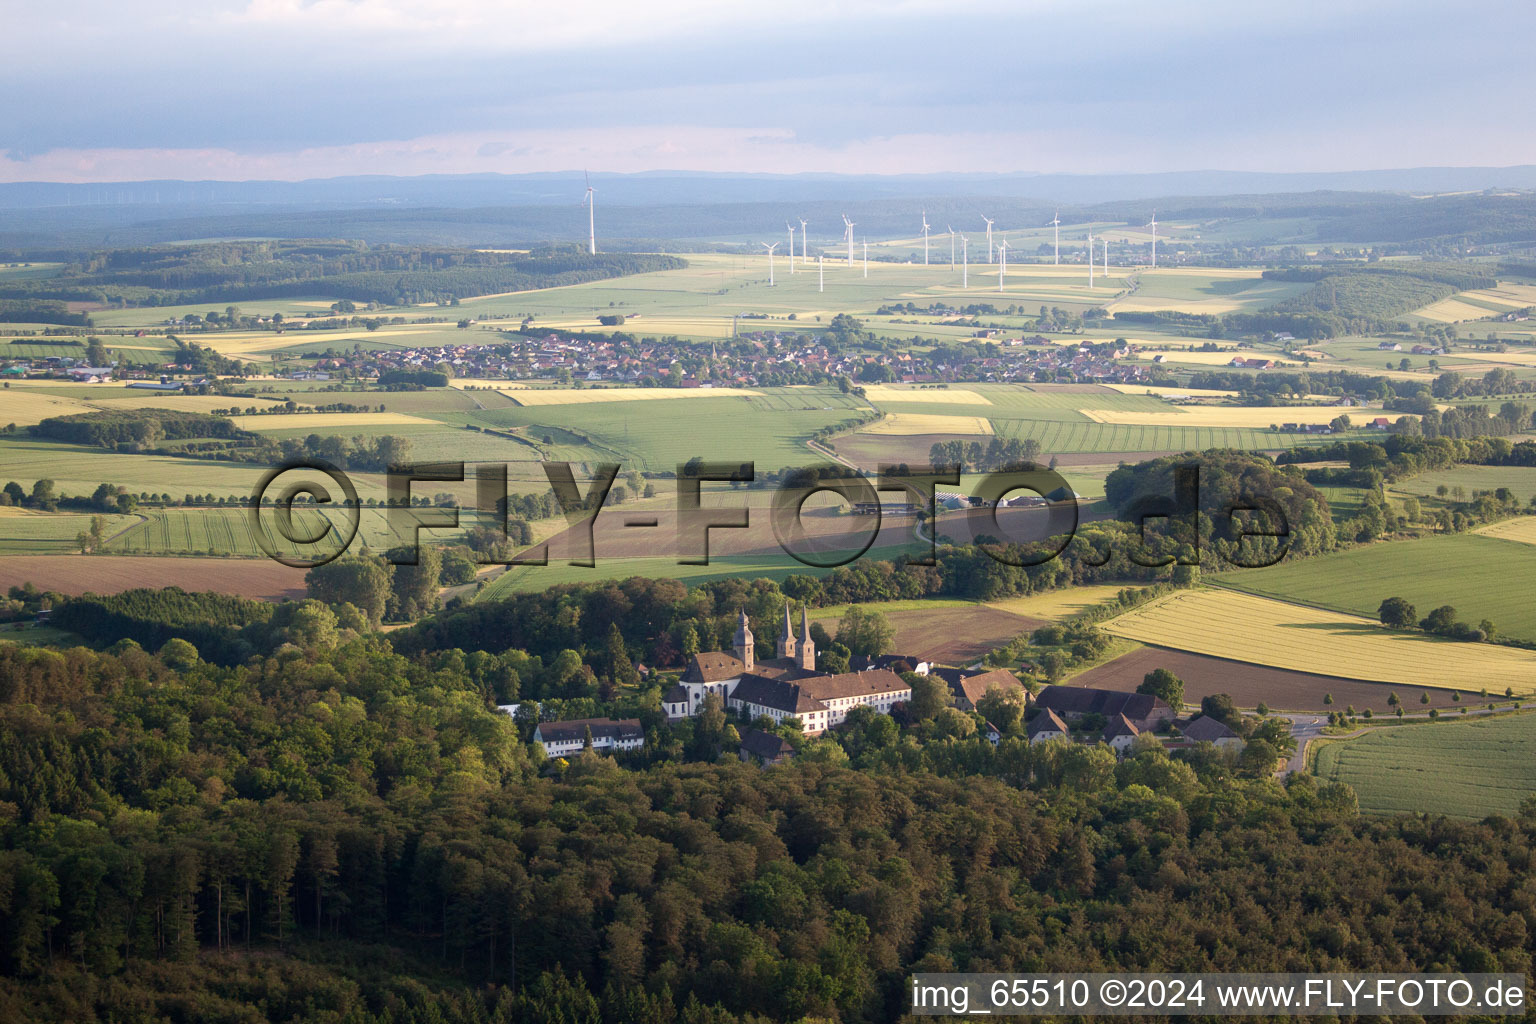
(343, 833)
(389, 275)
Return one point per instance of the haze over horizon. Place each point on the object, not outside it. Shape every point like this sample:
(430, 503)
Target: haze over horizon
(289, 90)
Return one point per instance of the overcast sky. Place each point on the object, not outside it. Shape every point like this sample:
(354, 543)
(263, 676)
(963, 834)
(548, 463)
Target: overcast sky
(291, 89)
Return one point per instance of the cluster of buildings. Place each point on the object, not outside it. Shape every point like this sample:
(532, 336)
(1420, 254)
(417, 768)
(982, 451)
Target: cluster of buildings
(789, 687)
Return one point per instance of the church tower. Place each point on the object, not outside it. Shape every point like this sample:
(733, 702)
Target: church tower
(743, 642)
(787, 640)
(807, 645)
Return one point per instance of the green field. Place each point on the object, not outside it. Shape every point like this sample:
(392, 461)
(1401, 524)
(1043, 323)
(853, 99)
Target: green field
(528, 578)
(1519, 479)
(1464, 769)
(1481, 577)
(227, 531)
(41, 533)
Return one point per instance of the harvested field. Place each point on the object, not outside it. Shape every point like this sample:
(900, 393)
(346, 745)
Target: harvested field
(1257, 630)
(1248, 685)
(25, 408)
(1253, 417)
(110, 574)
(1166, 392)
(881, 394)
(596, 395)
(1058, 604)
(1521, 529)
(915, 423)
(946, 635)
(316, 420)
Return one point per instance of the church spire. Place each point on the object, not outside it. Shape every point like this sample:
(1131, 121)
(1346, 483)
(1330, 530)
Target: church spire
(743, 642)
(807, 645)
(787, 638)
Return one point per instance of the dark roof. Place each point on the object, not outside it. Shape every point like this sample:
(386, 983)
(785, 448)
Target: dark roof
(1047, 721)
(713, 667)
(1081, 700)
(766, 745)
(576, 729)
(1206, 729)
(675, 695)
(1120, 726)
(775, 693)
(863, 662)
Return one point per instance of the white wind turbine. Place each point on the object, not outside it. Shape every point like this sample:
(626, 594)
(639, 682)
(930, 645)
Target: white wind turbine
(1153, 225)
(1106, 259)
(925, 238)
(770, 249)
(951, 246)
(866, 257)
(791, 228)
(804, 258)
(848, 230)
(1002, 264)
(1056, 224)
(989, 236)
(591, 201)
(821, 274)
(1090, 259)
(965, 262)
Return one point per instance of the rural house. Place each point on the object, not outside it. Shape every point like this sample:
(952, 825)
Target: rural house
(561, 739)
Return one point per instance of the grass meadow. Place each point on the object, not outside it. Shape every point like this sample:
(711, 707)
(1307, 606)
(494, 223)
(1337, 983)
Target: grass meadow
(1481, 577)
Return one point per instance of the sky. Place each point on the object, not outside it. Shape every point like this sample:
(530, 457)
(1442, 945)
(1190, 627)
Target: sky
(296, 89)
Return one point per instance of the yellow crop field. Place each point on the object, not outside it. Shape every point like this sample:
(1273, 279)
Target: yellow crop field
(25, 408)
(592, 396)
(1521, 529)
(1056, 604)
(1483, 302)
(1203, 358)
(1165, 392)
(134, 399)
(493, 383)
(242, 343)
(1261, 631)
(878, 393)
(1514, 357)
(308, 421)
(906, 423)
(1256, 417)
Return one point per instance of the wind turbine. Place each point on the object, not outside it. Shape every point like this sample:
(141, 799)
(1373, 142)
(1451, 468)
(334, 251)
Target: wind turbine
(791, 247)
(1002, 265)
(951, 246)
(1153, 225)
(925, 238)
(1056, 224)
(770, 249)
(821, 274)
(804, 258)
(866, 257)
(965, 262)
(591, 201)
(989, 236)
(1090, 259)
(1106, 259)
(848, 230)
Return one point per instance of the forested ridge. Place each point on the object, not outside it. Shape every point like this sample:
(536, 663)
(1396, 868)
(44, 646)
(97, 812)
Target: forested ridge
(390, 275)
(342, 833)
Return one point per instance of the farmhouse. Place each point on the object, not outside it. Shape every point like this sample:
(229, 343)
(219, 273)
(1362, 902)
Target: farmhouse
(969, 687)
(563, 738)
(1120, 733)
(1206, 729)
(862, 663)
(765, 748)
(1047, 726)
(785, 687)
(1074, 702)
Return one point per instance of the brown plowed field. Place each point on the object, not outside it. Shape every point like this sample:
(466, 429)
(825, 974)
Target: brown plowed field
(109, 574)
(1282, 689)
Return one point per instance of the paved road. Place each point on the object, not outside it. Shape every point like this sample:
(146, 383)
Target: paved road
(1306, 728)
